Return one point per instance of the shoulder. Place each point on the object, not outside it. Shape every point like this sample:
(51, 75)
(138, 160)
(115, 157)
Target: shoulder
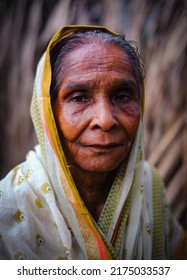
(20, 188)
(23, 183)
(19, 175)
(151, 173)
(15, 186)
(167, 232)
(154, 185)
(24, 194)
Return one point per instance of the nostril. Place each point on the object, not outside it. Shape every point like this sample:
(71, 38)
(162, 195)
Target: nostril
(97, 126)
(104, 126)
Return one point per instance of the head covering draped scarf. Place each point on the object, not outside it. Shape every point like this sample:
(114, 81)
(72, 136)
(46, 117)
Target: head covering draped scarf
(91, 240)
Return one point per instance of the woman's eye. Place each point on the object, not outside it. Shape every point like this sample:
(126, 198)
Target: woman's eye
(122, 98)
(79, 99)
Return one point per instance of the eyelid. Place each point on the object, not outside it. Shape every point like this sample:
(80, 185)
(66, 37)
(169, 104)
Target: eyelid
(74, 97)
(123, 91)
(79, 95)
(73, 93)
(122, 98)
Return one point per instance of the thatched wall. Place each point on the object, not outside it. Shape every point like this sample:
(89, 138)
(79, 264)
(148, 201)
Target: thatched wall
(160, 29)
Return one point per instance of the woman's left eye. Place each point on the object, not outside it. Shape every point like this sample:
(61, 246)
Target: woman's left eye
(122, 98)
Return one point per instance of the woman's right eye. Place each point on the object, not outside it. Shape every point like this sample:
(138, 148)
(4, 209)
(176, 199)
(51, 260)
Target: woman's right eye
(79, 99)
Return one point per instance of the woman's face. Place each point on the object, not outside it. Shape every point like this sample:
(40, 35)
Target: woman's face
(97, 109)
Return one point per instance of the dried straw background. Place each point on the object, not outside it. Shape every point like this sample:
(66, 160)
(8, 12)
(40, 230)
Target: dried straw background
(160, 29)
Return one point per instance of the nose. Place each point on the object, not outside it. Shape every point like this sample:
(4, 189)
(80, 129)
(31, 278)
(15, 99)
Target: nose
(103, 116)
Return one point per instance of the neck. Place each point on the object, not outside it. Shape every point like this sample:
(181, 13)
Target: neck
(93, 188)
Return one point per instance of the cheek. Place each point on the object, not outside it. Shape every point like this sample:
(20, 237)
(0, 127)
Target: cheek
(69, 122)
(131, 120)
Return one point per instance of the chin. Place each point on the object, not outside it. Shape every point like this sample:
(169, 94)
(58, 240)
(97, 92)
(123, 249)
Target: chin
(101, 166)
(101, 162)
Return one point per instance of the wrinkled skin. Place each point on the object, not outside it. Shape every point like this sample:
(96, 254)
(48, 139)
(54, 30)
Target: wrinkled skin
(97, 112)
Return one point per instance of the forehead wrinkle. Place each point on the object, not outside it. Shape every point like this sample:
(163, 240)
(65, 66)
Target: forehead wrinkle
(97, 56)
(71, 85)
(89, 61)
(85, 63)
(86, 68)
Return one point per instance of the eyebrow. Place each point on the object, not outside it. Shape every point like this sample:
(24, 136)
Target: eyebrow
(126, 84)
(116, 84)
(74, 85)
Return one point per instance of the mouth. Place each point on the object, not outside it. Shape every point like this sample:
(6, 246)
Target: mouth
(100, 147)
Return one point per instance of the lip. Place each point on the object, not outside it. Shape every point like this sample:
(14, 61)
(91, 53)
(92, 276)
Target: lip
(106, 147)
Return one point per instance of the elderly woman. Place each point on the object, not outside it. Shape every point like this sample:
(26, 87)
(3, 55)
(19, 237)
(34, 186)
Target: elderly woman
(86, 191)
